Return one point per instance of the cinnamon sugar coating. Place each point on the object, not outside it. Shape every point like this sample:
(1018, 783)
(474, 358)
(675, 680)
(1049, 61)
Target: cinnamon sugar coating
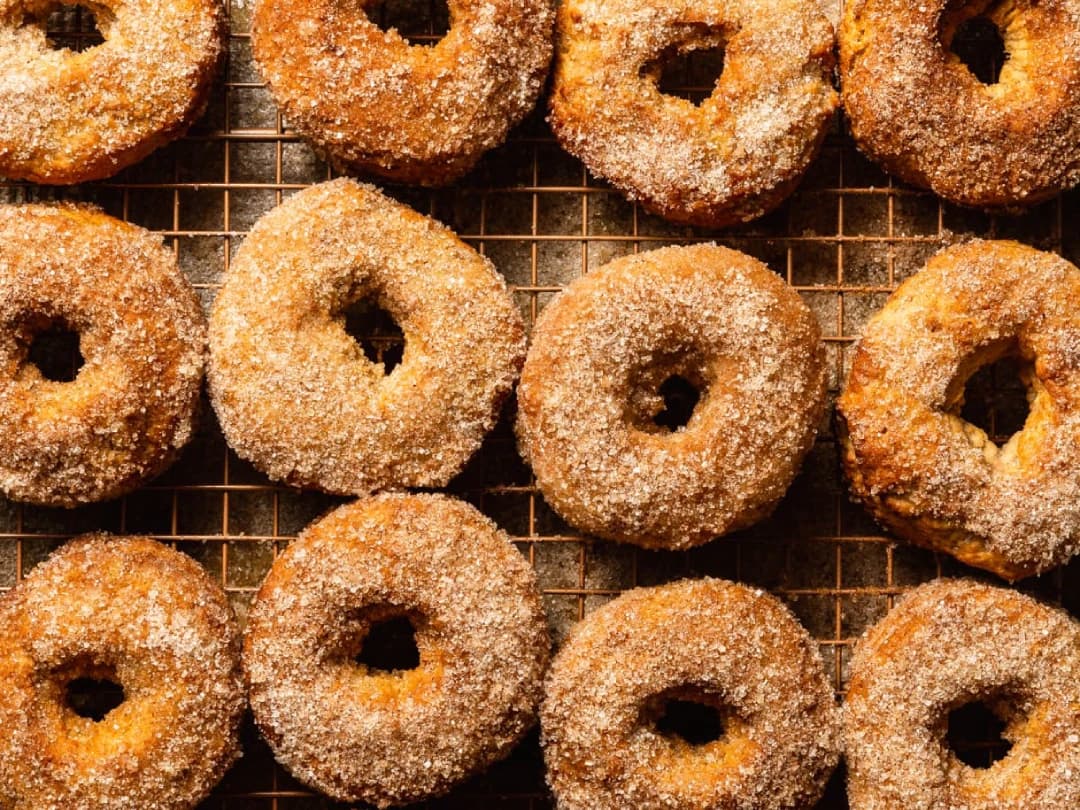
(69, 117)
(371, 102)
(707, 641)
(947, 644)
(935, 479)
(389, 738)
(733, 158)
(150, 618)
(294, 392)
(601, 351)
(142, 335)
(917, 109)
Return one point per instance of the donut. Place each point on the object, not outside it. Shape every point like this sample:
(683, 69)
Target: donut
(591, 396)
(69, 117)
(142, 336)
(925, 473)
(948, 644)
(359, 733)
(917, 109)
(296, 395)
(733, 158)
(131, 611)
(370, 102)
(709, 642)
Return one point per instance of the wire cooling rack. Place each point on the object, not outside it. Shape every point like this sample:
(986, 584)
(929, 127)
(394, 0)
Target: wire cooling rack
(844, 240)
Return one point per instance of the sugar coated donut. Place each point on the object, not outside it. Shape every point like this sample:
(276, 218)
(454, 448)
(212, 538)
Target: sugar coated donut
(915, 107)
(150, 619)
(603, 352)
(731, 159)
(707, 642)
(948, 644)
(69, 117)
(296, 395)
(359, 733)
(142, 336)
(371, 102)
(935, 479)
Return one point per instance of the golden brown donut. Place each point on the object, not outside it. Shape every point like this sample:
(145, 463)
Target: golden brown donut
(390, 738)
(917, 109)
(946, 645)
(69, 117)
(295, 394)
(129, 610)
(731, 159)
(142, 334)
(712, 642)
(602, 351)
(929, 476)
(371, 102)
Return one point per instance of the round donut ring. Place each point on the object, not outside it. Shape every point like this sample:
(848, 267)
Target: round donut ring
(602, 351)
(731, 159)
(948, 644)
(390, 738)
(69, 117)
(370, 102)
(295, 394)
(131, 610)
(711, 642)
(142, 335)
(929, 476)
(918, 110)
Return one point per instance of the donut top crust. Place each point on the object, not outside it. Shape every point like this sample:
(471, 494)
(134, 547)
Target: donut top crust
(68, 117)
(588, 393)
(416, 114)
(295, 393)
(142, 335)
(917, 109)
(1013, 509)
(732, 158)
(152, 615)
(738, 645)
(395, 738)
(946, 644)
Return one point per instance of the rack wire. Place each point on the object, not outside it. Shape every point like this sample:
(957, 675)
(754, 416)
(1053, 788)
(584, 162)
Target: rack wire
(844, 240)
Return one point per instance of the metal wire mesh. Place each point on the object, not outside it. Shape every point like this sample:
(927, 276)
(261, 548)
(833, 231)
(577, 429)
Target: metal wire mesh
(846, 238)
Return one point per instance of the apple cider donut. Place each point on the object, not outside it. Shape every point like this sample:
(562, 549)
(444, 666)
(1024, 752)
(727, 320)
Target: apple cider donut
(69, 117)
(948, 644)
(591, 396)
(359, 733)
(916, 108)
(150, 619)
(734, 157)
(294, 392)
(726, 647)
(371, 102)
(142, 336)
(933, 478)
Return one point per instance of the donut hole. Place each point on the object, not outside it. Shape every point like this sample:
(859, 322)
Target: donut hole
(974, 735)
(389, 645)
(418, 22)
(690, 69)
(95, 694)
(684, 715)
(997, 398)
(664, 395)
(376, 332)
(680, 398)
(979, 44)
(54, 349)
(72, 27)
